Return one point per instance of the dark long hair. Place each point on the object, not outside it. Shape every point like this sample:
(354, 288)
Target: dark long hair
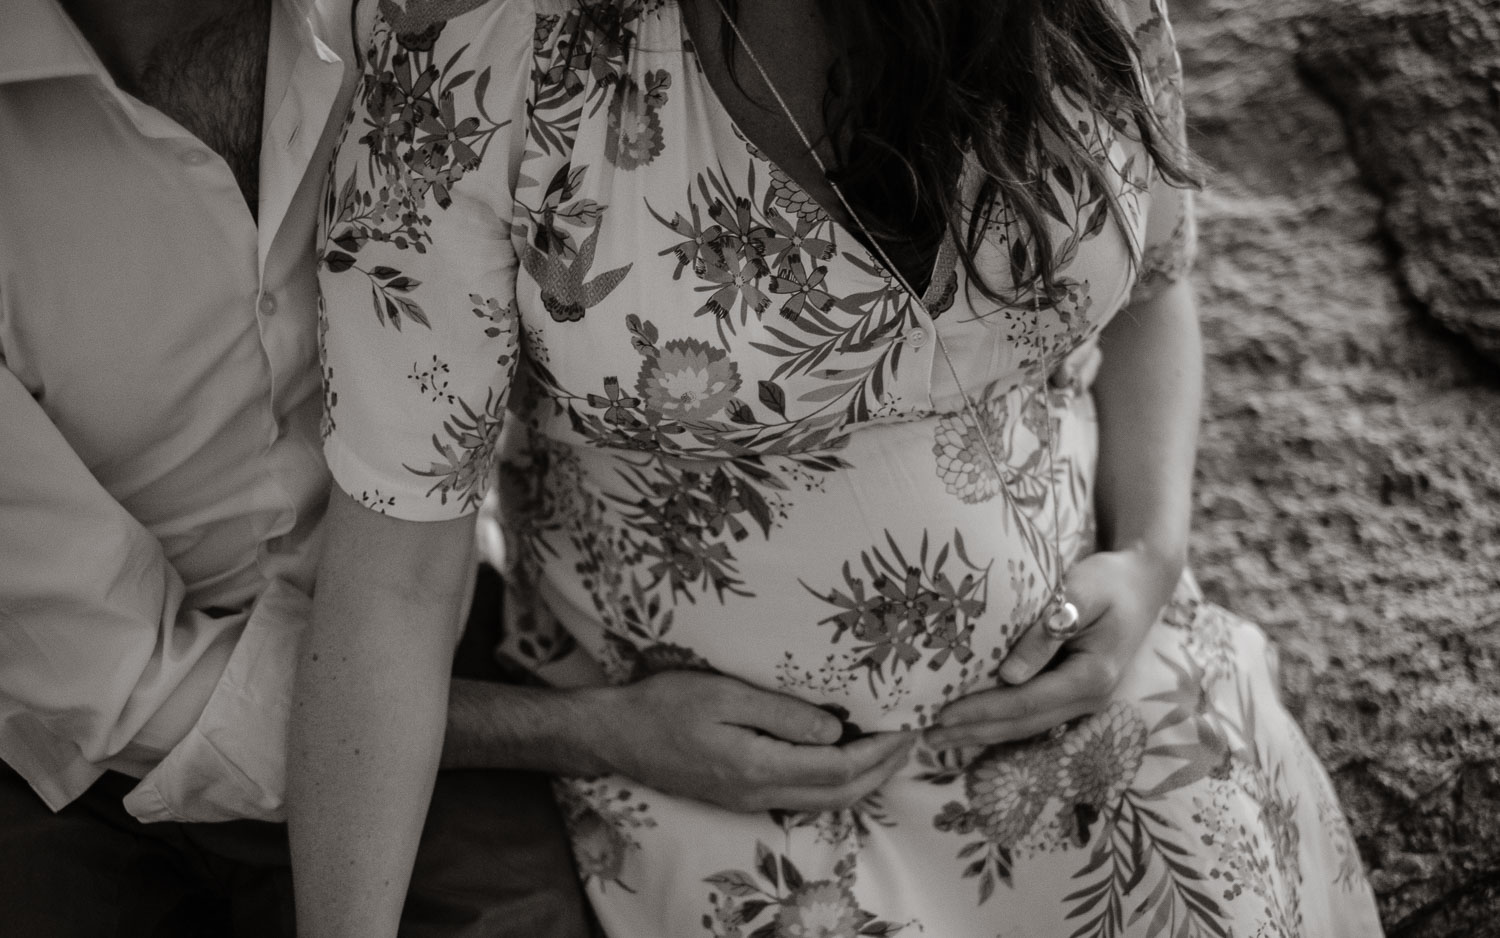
(916, 84)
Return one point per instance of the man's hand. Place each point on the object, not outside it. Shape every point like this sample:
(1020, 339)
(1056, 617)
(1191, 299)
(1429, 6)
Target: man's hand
(717, 739)
(1119, 595)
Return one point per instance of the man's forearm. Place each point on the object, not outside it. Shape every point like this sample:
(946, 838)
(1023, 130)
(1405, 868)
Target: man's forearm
(507, 726)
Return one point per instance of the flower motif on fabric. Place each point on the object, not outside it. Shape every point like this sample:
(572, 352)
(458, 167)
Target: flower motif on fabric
(687, 380)
(1007, 789)
(821, 909)
(1009, 786)
(468, 455)
(374, 500)
(432, 380)
(785, 243)
(1184, 609)
(532, 638)
(907, 612)
(634, 134)
(785, 194)
(328, 423)
(1161, 71)
(963, 451)
(1263, 858)
(1096, 762)
(700, 240)
(1087, 788)
(804, 289)
(426, 130)
(1350, 874)
(1211, 646)
(640, 662)
(773, 900)
(732, 275)
(746, 254)
(500, 322)
(1164, 262)
(848, 828)
(602, 819)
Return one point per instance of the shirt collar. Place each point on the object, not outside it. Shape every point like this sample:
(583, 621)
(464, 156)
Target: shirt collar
(39, 41)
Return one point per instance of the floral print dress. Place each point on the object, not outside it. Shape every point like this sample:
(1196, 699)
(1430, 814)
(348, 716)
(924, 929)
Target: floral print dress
(726, 442)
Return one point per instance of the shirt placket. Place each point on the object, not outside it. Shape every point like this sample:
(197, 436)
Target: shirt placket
(300, 97)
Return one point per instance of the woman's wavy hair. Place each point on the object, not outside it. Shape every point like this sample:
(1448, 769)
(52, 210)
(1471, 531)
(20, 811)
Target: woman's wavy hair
(917, 84)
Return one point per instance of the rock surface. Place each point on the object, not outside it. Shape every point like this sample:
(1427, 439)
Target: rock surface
(1418, 84)
(1349, 472)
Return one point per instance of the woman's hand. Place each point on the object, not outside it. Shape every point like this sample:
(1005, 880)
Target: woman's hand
(1119, 595)
(1147, 392)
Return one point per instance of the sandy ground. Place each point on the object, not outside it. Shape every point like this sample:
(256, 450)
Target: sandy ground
(1348, 493)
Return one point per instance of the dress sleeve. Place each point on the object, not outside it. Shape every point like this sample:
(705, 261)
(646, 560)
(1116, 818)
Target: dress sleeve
(419, 324)
(1171, 237)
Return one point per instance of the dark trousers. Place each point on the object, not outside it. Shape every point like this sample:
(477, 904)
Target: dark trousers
(493, 861)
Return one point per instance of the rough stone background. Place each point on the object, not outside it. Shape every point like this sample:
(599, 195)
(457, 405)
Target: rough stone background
(1349, 476)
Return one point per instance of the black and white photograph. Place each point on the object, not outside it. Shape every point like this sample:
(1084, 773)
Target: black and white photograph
(750, 468)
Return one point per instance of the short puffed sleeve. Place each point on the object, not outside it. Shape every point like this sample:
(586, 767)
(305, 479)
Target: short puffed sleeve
(418, 323)
(1170, 241)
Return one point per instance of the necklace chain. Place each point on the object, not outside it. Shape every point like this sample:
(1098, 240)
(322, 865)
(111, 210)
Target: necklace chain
(1056, 598)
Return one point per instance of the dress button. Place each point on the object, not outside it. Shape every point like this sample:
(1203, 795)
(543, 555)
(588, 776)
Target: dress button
(267, 304)
(196, 157)
(917, 338)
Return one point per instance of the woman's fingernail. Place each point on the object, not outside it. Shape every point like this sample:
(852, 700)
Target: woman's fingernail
(1014, 672)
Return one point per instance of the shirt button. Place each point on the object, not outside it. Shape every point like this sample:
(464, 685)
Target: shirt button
(917, 338)
(267, 305)
(196, 157)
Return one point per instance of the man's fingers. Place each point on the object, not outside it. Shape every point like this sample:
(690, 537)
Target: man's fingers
(781, 716)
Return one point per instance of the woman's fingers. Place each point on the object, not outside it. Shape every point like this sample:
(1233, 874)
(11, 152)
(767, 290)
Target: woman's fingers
(1080, 685)
(784, 766)
(1030, 654)
(1087, 587)
(894, 750)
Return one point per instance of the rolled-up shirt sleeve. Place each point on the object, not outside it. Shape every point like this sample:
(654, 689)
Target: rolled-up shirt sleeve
(419, 324)
(101, 665)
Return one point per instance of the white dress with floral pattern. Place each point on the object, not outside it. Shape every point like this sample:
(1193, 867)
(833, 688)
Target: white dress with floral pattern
(730, 444)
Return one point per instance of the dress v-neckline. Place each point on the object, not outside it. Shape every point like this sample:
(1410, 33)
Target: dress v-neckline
(939, 271)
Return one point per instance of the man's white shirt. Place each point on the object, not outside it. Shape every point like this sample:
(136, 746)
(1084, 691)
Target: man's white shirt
(161, 481)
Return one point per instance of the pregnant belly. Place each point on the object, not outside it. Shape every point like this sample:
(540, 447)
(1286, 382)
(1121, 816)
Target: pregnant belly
(883, 583)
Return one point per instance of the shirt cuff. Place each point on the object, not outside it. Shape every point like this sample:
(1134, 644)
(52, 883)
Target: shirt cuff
(232, 763)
